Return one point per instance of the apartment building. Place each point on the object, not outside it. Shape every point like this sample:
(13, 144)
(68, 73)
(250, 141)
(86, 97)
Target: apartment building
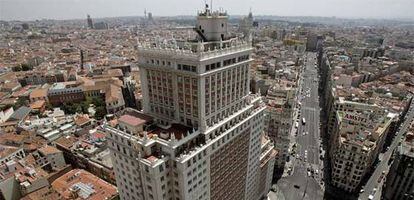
(357, 139)
(280, 101)
(41, 77)
(49, 155)
(65, 92)
(400, 180)
(200, 136)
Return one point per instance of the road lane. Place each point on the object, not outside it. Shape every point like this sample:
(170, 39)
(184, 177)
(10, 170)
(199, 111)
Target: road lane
(383, 166)
(309, 186)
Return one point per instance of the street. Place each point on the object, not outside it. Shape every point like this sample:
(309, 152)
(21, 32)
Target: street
(305, 182)
(383, 165)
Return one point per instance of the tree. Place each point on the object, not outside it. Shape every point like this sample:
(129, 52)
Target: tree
(98, 102)
(19, 103)
(49, 106)
(100, 112)
(69, 108)
(17, 68)
(26, 67)
(100, 107)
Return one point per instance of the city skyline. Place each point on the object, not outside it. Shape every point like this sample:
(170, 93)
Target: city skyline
(75, 9)
(198, 106)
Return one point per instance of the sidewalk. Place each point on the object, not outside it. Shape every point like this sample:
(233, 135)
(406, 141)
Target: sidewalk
(278, 195)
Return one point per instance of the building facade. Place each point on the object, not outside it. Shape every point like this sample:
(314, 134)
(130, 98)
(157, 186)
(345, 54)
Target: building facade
(200, 136)
(40, 78)
(61, 93)
(280, 102)
(400, 180)
(357, 139)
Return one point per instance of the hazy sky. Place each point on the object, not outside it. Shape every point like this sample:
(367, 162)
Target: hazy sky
(69, 9)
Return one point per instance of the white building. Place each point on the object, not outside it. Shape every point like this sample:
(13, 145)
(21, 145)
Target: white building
(5, 114)
(201, 135)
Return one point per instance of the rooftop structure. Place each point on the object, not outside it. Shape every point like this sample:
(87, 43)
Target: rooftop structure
(81, 184)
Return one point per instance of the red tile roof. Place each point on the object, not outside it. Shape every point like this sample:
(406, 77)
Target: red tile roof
(102, 189)
(131, 120)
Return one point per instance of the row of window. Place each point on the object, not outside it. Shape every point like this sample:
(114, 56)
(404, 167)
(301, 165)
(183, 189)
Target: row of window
(159, 62)
(188, 68)
(187, 99)
(225, 87)
(219, 116)
(217, 132)
(227, 62)
(213, 66)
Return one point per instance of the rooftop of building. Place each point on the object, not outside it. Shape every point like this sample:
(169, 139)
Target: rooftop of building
(82, 119)
(47, 150)
(151, 130)
(83, 185)
(207, 12)
(131, 120)
(67, 142)
(389, 91)
(364, 129)
(407, 145)
(29, 175)
(194, 48)
(7, 150)
(20, 114)
(63, 85)
(38, 93)
(10, 168)
(44, 193)
(38, 104)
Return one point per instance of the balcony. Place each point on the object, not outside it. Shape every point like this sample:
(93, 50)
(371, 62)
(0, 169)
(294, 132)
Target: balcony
(194, 50)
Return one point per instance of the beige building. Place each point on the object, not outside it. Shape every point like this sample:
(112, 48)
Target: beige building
(107, 88)
(356, 141)
(281, 102)
(201, 134)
